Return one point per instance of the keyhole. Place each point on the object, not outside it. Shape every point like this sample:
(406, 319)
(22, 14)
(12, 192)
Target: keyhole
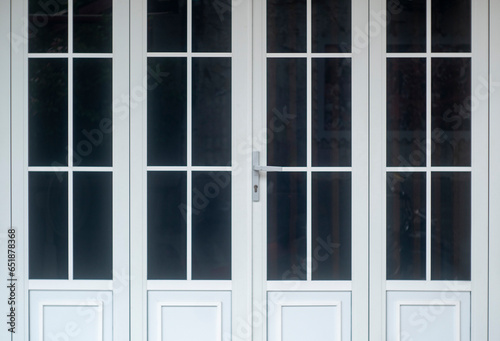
(255, 188)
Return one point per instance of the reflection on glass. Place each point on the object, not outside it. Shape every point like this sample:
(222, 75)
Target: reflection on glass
(451, 26)
(331, 226)
(286, 26)
(48, 26)
(406, 112)
(406, 29)
(286, 226)
(92, 26)
(92, 225)
(406, 227)
(212, 26)
(286, 112)
(48, 112)
(167, 225)
(211, 218)
(451, 111)
(167, 26)
(48, 225)
(331, 26)
(331, 112)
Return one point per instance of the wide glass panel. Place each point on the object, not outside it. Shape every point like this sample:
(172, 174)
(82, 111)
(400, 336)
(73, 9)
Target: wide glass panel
(48, 225)
(48, 112)
(167, 26)
(286, 26)
(331, 226)
(211, 26)
(331, 26)
(92, 225)
(92, 26)
(48, 26)
(406, 28)
(451, 26)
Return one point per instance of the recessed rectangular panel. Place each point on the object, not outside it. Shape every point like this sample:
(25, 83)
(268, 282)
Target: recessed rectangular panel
(188, 323)
(310, 323)
(92, 26)
(406, 26)
(167, 26)
(72, 322)
(48, 26)
(212, 26)
(331, 26)
(286, 26)
(441, 326)
(451, 26)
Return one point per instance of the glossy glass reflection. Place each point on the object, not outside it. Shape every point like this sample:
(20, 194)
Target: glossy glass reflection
(212, 26)
(167, 26)
(451, 26)
(286, 112)
(48, 225)
(406, 29)
(286, 26)
(406, 226)
(167, 225)
(286, 226)
(92, 225)
(331, 26)
(331, 226)
(451, 111)
(92, 26)
(406, 112)
(48, 112)
(331, 112)
(211, 229)
(451, 226)
(48, 26)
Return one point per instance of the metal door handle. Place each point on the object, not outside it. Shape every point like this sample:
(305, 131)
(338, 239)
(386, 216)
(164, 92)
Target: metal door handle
(257, 168)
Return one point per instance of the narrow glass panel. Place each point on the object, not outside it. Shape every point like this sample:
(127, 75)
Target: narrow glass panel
(48, 26)
(451, 111)
(167, 26)
(92, 25)
(167, 113)
(286, 112)
(406, 227)
(48, 225)
(92, 225)
(406, 28)
(286, 226)
(167, 225)
(92, 113)
(331, 26)
(451, 26)
(212, 26)
(451, 226)
(211, 111)
(406, 112)
(48, 112)
(331, 110)
(211, 225)
(286, 26)
(331, 226)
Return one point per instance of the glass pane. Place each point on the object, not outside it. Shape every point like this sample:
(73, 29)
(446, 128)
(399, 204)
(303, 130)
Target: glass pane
(167, 26)
(167, 225)
(451, 111)
(331, 110)
(286, 112)
(92, 25)
(48, 112)
(92, 225)
(211, 111)
(331, 26)
(451, 26)
(211, 225)
(286, 26)
(406, 226)
(406, 112)
(286, 226)
(331, 226)
(48, 26)
(167, 113)
(451, 226)
(48, 225)
(212, 26)
(406, 28)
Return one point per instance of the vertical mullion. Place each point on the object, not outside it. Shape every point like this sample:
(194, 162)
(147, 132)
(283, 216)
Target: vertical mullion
(428, 128)
(70, 139)
(189, 177)
(309, 141)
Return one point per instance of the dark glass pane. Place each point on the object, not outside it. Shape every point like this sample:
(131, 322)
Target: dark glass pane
(92, 225)
(286, 226)
(286, 26)
(406, 226)
(212, 26)
(331, 26)
(211, 111)
(167, 113)
(92, 113)
(451, 112)
(286, 112)
(48, 112)
(331, 226)
(451, 26)
(451, 226)
(48, 225)
(167, 225)
(167, 26)
(406, 112)
(92, 25)
(48, 26)
(331, 110)
(211, 225)
(406, 28)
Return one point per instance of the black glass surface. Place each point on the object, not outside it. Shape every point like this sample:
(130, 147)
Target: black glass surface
(212, 25)
(167, 26)
(451, 26)
(331, 26)
(286, 26)
(406, 27)
(48, 26)
(92, 26)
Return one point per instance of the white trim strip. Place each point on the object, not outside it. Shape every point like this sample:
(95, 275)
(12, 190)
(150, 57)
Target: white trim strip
(70, 55)
(191, 54)
(309, 285)
(191, 168)
(430, 54)
(308, 55)
(185, 285)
